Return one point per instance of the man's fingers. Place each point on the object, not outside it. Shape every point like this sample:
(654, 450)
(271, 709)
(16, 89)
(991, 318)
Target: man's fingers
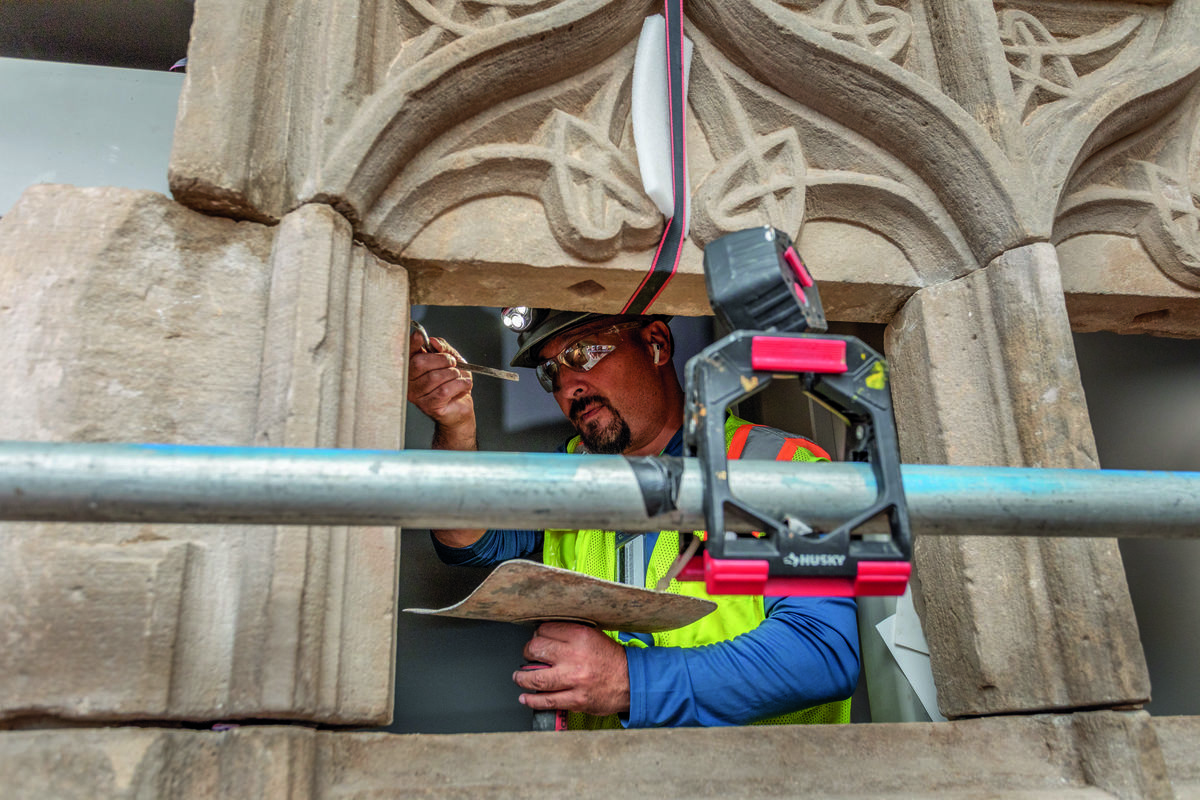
(441, 392)
(552, 641)
(546, 689)
(546, 679)
(553, 701)
(423, 363)
(434, 377)
(439, 345)
(433, 397)
(588, 671)
(563, 632)
(427, 373)
(443, 395)
(436, 346)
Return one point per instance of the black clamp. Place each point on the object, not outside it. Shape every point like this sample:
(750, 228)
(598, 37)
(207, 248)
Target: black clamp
(756, 275)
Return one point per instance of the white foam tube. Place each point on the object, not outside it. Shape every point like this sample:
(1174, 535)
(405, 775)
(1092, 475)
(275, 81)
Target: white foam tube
(651, 115)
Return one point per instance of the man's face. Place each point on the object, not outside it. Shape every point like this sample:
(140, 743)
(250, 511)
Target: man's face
(604, 403)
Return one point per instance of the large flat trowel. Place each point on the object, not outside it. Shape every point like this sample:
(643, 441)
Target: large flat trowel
(526, 591)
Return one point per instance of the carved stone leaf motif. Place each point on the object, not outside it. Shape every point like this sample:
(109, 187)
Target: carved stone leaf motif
(593, 196)
(1170, 231)
(782, 48)
(762, 183)
(1045, 69)
(1000, 183)
(589, 189)
(1147, 186)
(425, 21)
(885, 31)
(477, 64)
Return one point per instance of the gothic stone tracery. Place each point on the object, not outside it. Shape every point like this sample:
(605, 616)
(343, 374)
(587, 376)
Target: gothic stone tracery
(931, 134)
(980, 176)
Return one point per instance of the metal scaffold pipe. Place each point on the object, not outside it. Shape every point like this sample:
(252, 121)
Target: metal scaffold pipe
(432, 489)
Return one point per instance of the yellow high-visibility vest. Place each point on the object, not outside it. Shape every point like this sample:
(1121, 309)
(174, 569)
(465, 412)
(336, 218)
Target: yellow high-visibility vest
(594, 552)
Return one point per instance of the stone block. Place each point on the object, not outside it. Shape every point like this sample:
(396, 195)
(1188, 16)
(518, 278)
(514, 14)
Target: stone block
(1127, 234)
(156, 763)
(1035, 756)
(116, 306)
(90, 624)
(132, 318)
(1111, 284)
(984, 374)
(1179, 741)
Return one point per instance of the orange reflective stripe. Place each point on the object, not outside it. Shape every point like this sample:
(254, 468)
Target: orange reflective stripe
(738, 443)
(792, 444)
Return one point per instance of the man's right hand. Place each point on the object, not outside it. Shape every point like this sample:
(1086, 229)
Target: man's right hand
(442, 392)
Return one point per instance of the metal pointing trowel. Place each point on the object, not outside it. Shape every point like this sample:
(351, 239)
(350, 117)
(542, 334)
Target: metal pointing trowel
(478, 369)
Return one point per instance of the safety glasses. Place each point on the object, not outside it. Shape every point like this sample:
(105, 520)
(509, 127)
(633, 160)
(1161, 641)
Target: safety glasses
(581, 355)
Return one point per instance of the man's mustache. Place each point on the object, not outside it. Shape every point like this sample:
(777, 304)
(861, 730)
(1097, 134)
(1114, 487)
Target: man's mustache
(581, 404)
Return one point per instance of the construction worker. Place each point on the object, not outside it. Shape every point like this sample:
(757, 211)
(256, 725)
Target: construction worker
(781, 660)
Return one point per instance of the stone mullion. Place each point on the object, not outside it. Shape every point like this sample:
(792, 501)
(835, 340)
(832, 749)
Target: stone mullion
(299, 402)
(984, 373)
(319, 348)
(363, 562)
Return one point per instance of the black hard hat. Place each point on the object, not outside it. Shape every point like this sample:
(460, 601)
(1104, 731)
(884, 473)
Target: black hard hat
(546, 323)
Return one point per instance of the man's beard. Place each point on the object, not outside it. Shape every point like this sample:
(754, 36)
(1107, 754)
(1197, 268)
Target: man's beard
(612, 438)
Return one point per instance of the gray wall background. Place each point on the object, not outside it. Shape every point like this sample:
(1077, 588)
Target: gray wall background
(104, 126)
(82, 125)
(1143, 395)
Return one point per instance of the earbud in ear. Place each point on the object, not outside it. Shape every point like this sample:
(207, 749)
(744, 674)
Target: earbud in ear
(655, 346)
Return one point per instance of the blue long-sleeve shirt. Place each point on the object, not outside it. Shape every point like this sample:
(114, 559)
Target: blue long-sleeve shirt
(803, 654)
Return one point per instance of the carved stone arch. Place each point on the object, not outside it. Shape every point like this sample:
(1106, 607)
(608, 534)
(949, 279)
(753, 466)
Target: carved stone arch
(1115, 101)
(901, 112)
(565, 146)
(796, 165)
(488, 65)
(750, 167)
(928, 240)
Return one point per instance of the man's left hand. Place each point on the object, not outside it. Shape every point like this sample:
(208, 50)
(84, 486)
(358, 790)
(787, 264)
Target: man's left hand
(587, 671)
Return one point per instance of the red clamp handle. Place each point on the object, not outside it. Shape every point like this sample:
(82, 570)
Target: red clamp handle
(752, 576)
(791, 354)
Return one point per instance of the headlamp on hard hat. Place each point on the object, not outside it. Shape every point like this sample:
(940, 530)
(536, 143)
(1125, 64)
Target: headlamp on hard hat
(518, 318)
(546, 323)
